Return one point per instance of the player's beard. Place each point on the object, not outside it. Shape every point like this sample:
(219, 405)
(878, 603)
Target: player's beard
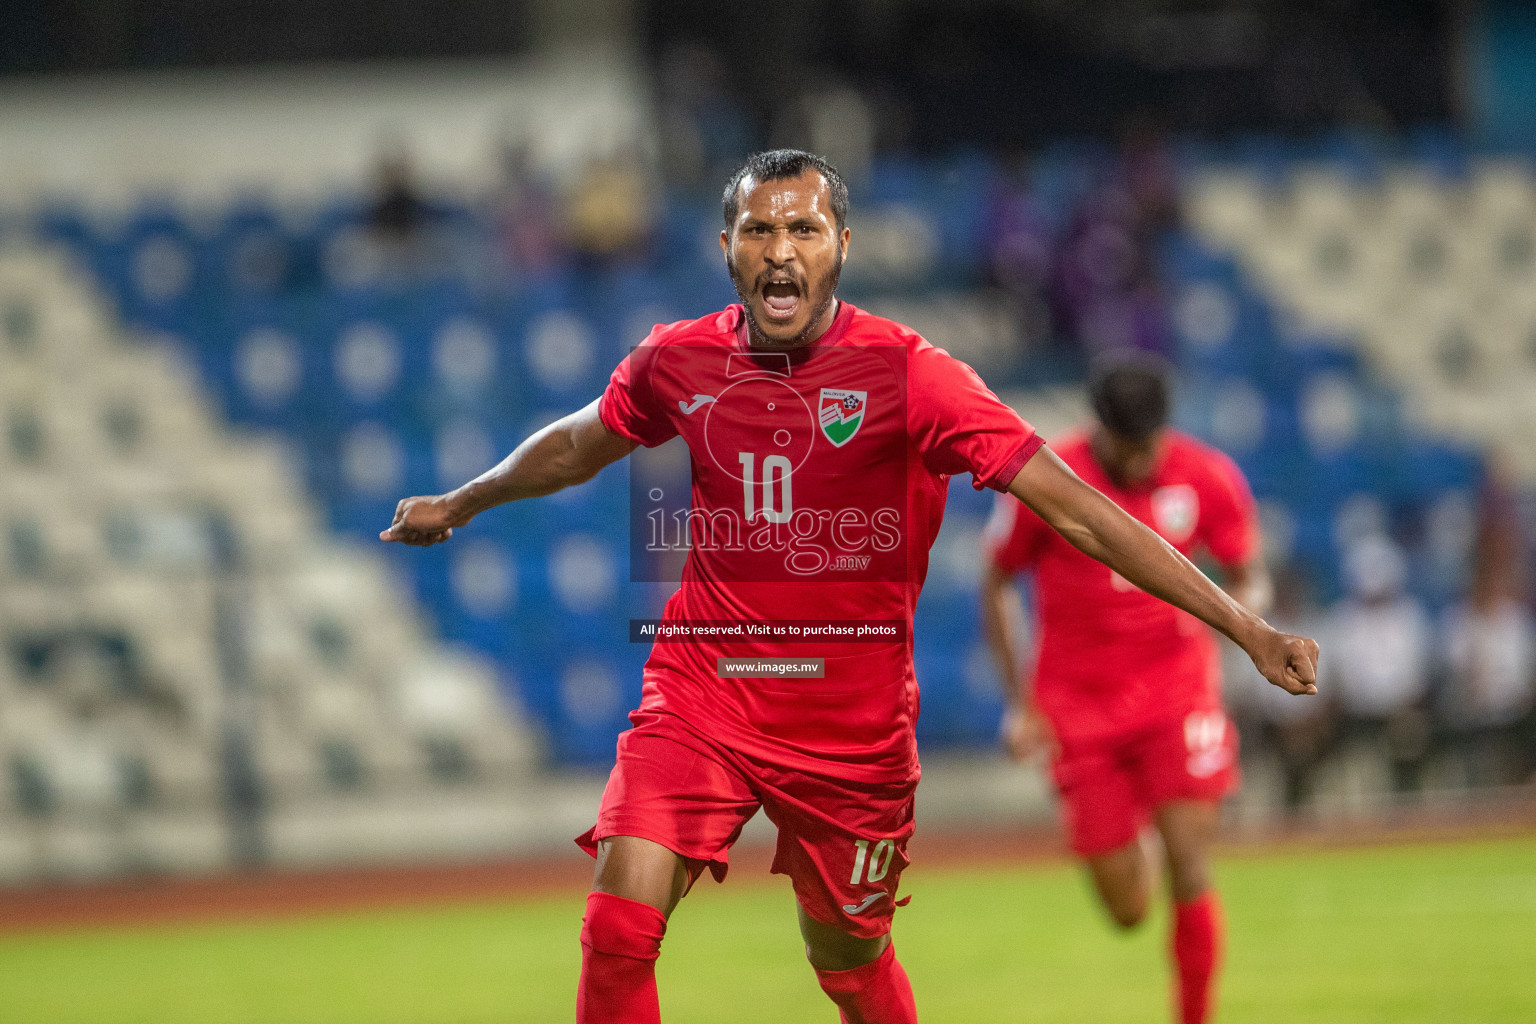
(755, 329)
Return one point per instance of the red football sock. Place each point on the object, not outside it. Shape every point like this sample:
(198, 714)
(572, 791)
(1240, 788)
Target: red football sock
(876, 993)
(1197, 942)
(620, 941)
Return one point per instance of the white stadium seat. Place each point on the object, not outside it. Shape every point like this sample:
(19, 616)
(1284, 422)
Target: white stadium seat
(1434, 281)
(1230, 209)
(110, 464)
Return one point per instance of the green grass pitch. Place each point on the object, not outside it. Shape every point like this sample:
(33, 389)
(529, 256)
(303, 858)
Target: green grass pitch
(1404, 935)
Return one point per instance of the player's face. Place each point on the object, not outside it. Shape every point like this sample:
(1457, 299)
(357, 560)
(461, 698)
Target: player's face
(784, 253)
(1127, 462)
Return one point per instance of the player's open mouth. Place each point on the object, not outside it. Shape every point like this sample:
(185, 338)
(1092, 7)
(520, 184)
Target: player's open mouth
(781, 300)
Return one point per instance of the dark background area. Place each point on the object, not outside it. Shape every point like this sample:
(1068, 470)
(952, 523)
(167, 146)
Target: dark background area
(1017, 72)
(52, 36)
(1003, 71)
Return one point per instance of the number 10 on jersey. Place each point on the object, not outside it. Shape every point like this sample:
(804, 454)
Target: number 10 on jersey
(877, 860)
(777, 503)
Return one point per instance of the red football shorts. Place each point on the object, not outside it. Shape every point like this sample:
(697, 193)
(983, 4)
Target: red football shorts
(843, 844)
(1110, 787)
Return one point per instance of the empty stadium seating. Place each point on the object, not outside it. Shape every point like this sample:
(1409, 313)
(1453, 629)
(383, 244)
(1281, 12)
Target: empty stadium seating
(136, 529)
(1424, 270)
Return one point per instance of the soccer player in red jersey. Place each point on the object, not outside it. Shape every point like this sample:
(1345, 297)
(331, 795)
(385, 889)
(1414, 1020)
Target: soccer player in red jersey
(822, 440)
(1125, 690)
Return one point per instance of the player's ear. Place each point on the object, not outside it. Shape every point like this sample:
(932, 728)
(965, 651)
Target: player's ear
(842, 241)
(725, 243)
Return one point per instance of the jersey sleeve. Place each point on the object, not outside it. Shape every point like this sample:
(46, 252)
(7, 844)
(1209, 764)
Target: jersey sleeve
(1011, 540)
(1231, 518)
(629, 407)
(959, 426)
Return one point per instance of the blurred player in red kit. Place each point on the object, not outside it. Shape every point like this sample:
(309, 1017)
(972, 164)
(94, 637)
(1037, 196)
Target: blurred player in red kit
(1125, 690)
(822, 440)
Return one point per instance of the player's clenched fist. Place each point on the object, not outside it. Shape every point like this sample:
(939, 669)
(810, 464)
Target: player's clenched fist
(1026, 734)
(1290, 662)
(421, 522)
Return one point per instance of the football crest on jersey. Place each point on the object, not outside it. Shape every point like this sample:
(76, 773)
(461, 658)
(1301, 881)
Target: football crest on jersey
(1175, 510)
(842, 413)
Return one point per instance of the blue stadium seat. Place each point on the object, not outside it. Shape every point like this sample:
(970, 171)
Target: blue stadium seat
(593, 693)
(276, 373)
(67, 225)
(1439, 148)
(1427, 468)
(369, 463)
(1186, 259)
(962, 701)
(154, 266)
(365, 366)
(1265, 155)
(1300, 358)
(1359, 155)
(894, 178)
(252, 252)
(361, 517)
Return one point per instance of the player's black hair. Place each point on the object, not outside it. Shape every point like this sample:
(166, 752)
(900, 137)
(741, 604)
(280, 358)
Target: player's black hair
(1129, 392)
(778, 164)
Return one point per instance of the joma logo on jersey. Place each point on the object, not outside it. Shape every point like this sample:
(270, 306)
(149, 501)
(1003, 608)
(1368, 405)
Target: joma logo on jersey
(849, 563)
(841, 414)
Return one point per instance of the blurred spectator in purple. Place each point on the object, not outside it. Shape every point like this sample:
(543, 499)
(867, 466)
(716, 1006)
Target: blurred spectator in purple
(526, 225)
(1020, 253)
(1150, 176)
(1377, 665)
(1022, 242)
(1105, 289)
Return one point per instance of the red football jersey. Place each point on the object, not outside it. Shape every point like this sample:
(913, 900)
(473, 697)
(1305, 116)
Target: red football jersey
(1110, 657)
(819, 478)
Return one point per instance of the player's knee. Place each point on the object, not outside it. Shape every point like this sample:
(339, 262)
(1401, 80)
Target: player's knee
(1127, 913)
(1126, 905)
(1122, 881)
(1189, 882)
(831, 950)
(1189, 873)
(617, 926)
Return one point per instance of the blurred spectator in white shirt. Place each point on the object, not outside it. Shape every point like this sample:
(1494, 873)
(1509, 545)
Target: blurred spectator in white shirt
(1297, 731)
(1490, 651)
(1377, 661)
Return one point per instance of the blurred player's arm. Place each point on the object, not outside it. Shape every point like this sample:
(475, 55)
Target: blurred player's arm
(569, 451)
(1001, 612)
(1100, 529)
(1249, 584)
(1023, 731)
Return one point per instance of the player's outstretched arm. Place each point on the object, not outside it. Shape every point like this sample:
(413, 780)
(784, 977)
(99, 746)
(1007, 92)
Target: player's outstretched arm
(567, 452)
(1249, 583)
(1100, 529)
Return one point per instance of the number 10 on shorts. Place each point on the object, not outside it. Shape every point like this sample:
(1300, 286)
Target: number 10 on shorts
(877, 860)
